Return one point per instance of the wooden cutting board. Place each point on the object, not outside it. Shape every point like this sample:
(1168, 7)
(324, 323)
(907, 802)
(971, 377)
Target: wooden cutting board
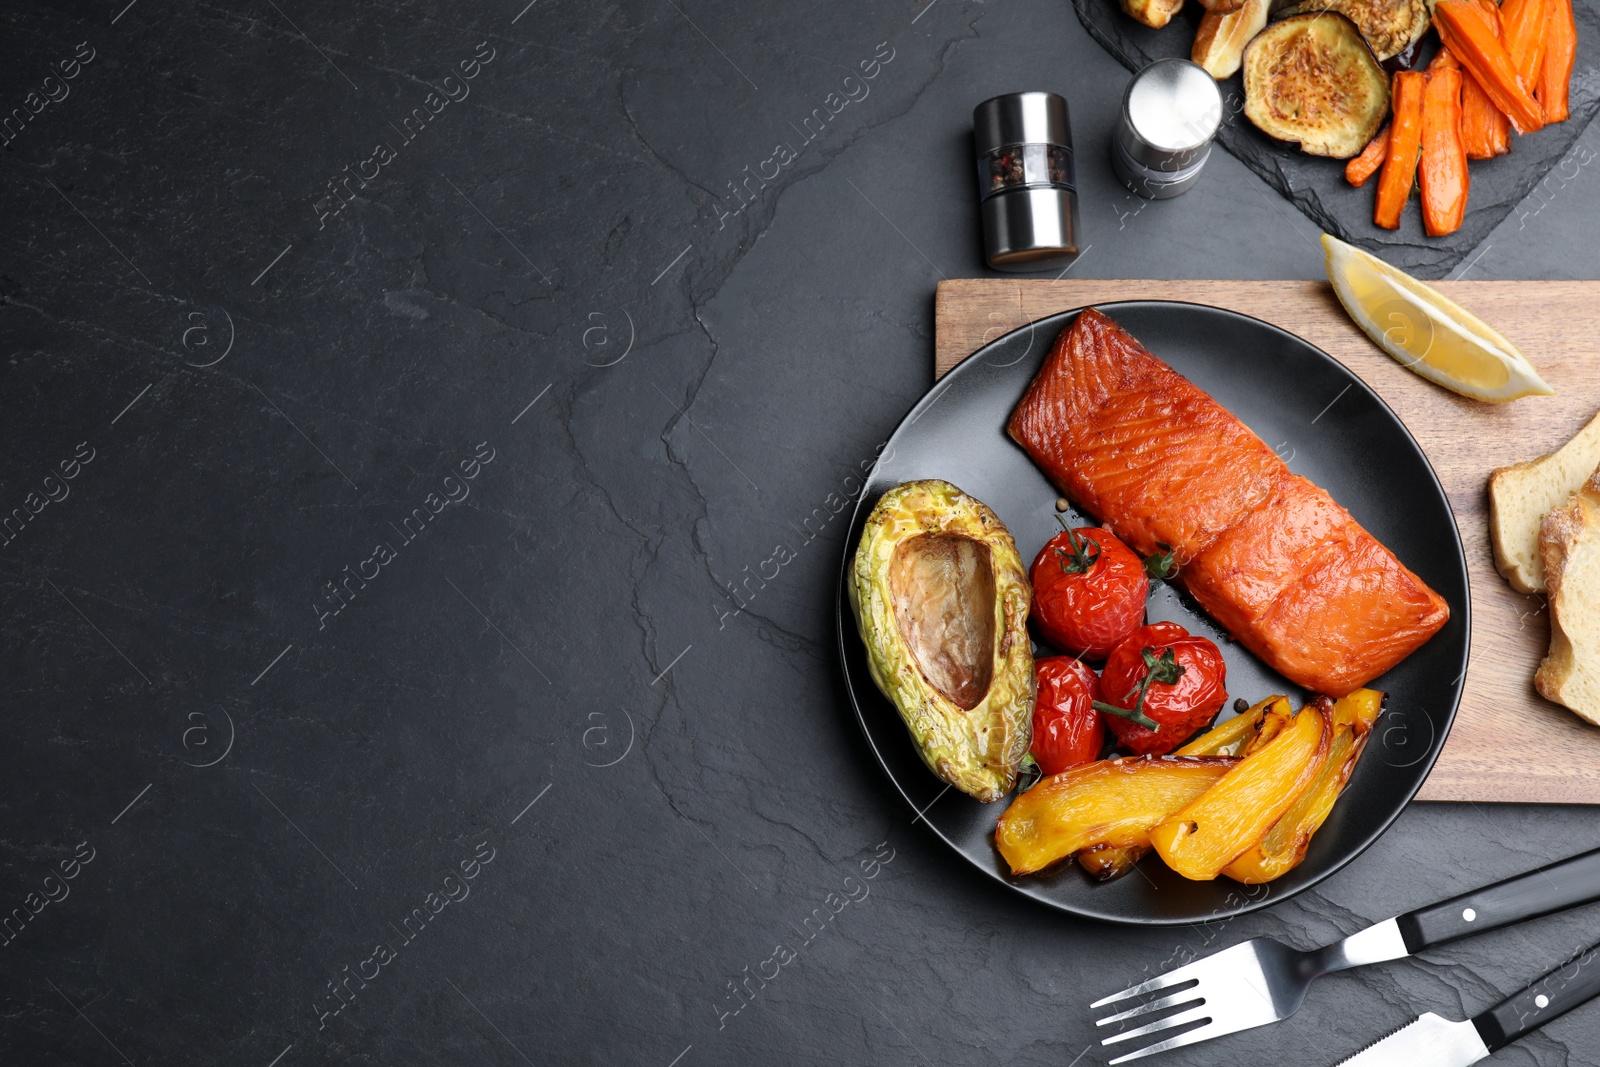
(1508, 743)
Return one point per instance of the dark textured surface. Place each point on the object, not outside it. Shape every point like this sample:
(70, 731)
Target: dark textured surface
(1317, 187)
(565, 634)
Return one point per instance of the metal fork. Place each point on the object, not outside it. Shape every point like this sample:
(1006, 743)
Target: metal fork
(1262, 980)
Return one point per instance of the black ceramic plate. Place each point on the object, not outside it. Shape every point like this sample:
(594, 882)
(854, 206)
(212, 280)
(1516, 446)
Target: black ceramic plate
(1330, 428)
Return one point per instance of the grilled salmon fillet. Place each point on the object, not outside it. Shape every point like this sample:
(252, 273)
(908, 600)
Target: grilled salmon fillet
(1274, 559)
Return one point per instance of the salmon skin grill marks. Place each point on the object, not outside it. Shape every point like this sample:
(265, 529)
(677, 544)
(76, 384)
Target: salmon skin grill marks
(1240, 574)
(1137, 444)
(1269, 555)
(1355, 612)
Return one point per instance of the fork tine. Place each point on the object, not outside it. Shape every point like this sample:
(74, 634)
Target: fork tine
(1193, 1015)
(1182, 974)
(1201, 1034)
(1191, 995)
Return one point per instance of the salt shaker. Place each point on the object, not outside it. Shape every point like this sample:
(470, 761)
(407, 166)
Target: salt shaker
(1026, 189)
(1170, 113)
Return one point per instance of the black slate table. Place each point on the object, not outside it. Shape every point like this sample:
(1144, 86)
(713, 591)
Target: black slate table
(423, 426)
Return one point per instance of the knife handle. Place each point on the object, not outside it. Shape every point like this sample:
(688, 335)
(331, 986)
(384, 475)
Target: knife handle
(1561, 885)
(1573, 983)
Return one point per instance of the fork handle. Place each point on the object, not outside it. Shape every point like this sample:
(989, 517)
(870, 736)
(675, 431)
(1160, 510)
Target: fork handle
(1560, 885)
(1573, 983)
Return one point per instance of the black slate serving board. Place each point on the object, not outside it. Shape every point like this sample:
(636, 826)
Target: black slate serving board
(1317, 186)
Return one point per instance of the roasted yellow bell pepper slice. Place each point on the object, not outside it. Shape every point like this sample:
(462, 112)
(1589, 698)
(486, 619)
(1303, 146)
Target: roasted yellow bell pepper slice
(1284, 846)
(1107, 862)
(1277, 716)
(1108, 802)
(1236, 813)
(1231, 738)
(1360, 709)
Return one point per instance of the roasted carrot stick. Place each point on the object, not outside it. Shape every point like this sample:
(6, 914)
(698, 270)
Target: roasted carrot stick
(1522, 25)
(1364, 166)
(1442, 172)
(1442, 60)
(1561, 50)
(1484, 127)
(1491, 11)
(1470, 36)
(1485, 130)
(1405, 144)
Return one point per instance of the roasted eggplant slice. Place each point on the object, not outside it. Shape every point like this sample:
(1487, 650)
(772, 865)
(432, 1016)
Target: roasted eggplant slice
(1311, 79)
(941, 600)
(1390, 27)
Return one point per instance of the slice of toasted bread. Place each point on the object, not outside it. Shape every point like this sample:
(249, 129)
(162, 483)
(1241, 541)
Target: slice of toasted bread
(1520, 495)
(1219, 42)
(1569, 542)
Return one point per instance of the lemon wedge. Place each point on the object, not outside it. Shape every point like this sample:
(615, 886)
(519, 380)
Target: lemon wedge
(1427, 332)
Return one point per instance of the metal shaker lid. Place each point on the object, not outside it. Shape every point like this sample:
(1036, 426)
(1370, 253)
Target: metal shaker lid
(1170, 113)
(1021, 118)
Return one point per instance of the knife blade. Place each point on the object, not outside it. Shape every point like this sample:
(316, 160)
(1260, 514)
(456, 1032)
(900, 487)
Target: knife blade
(1430, 1041)
(1434, 1041)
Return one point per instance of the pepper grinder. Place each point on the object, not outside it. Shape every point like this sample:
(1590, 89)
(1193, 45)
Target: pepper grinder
(1026, 189)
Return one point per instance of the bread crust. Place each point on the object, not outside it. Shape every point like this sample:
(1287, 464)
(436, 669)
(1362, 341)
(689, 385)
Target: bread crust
(1219, 42)
(1500, 535)
(1513, 526)
(1570, 674)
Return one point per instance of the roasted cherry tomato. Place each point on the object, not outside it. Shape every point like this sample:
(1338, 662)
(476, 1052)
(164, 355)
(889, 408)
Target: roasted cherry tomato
(1088, 591)
(1175, 681)
(1067, 730)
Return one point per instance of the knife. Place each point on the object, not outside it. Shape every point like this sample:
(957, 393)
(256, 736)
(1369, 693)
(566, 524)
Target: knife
(1434, 1041)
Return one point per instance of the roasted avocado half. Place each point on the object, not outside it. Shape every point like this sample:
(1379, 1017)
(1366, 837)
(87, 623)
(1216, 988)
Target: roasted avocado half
(941, 600)
(1312, 79)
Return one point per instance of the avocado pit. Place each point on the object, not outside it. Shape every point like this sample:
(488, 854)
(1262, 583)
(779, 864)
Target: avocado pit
(943, 588)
